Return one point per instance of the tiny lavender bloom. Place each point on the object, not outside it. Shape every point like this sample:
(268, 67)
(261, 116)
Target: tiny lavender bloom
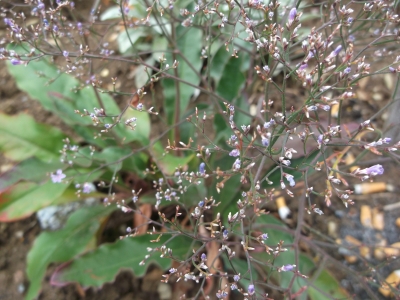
(372, 171)
(236, 277)
(287, 268)
(337, 50)
(251, 289)
(290, 178)
(234, 153)
(15, 62)
(88, 188)
(265, 142)
(58, 176)
(202, 168)
(292, 15)
(264, 236)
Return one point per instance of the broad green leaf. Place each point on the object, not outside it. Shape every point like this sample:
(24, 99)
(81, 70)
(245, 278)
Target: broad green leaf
(128, 38)
(166, 161)
(63, 245)
(31, 169)
(59, 92)
(218, 64)
(222, 130)
(22, 137)
(123, 254)
(113, 12)
(330, 287)
(141, 133)
(232, 80)
(62, 94)
(189, 45)
(25, 198)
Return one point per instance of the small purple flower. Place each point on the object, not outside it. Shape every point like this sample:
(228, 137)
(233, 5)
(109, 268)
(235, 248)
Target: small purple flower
(350, 20)
(236, 164)
(303, 67)
(287, 268)
(65, 53)
(264, 236)
(337, 50)
(325, 107)
(172, 270)
(201, 203)
(265, 141)
(386, 140)
(15, 62)
(234, 153)
(236, 277)
(58, 176)
(88, 188)
(251, 289)
(221, 294)
(225, 233)
(40, 6)
(233, 137)
(347, 70)
(202, 167)
(292, 15)
(372, 171)
(233, 286)
(290, 179)
(266, 69)
(203, 257)
(8, 22)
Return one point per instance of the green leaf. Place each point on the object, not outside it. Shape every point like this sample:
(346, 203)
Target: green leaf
(124, 42)
(218, 64)
(168, 162)
(123, 254)
(25, 198)
(329, 285)
(232, 79)
(62, 94)
(59, 92)
(189, 45)
(62, 245)
(31, 169)
(141, 133)
(22, 137)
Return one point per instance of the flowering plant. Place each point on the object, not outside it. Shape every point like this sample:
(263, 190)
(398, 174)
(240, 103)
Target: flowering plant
(204, 146)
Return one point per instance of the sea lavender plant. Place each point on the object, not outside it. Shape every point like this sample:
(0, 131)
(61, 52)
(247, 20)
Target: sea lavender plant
(209, 137)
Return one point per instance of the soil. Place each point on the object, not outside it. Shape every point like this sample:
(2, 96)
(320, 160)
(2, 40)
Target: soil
(17, 238)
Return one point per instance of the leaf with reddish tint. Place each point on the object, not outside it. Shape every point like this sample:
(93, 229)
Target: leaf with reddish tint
(103, 264)
(24, 198)
(64, 244)
(22, 137)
